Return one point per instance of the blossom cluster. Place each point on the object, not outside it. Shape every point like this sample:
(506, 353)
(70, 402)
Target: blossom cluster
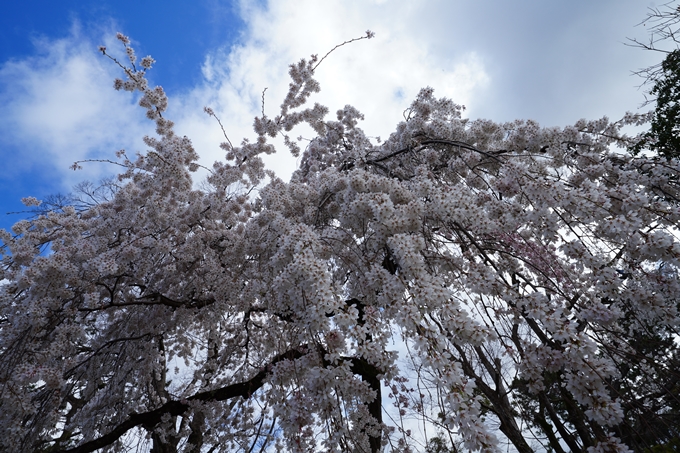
(513, 260)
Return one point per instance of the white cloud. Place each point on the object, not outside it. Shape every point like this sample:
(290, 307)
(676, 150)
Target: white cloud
(59, 107)
(499, 60)
(380, 77)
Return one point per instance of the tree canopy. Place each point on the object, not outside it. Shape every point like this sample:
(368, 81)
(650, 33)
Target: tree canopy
(498, 283)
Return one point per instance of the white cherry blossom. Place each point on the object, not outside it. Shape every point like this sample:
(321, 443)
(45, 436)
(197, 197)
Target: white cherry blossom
(522, 266)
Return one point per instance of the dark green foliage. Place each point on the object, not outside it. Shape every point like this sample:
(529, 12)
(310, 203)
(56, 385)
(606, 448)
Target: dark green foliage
(664, 135)
(439, 445)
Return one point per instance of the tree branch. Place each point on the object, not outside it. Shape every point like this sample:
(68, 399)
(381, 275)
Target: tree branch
(150, 419)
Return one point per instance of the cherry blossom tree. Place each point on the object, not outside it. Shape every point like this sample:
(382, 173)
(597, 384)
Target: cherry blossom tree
(530, 273)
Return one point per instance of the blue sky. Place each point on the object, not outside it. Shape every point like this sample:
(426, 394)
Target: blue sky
(554, 62)
(180, 33)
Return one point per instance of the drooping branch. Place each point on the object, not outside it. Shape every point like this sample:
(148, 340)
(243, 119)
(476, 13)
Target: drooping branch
(150, 419)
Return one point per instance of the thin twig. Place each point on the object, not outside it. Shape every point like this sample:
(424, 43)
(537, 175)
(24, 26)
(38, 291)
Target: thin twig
(369, 34)
(76, 165)
(210, 112)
